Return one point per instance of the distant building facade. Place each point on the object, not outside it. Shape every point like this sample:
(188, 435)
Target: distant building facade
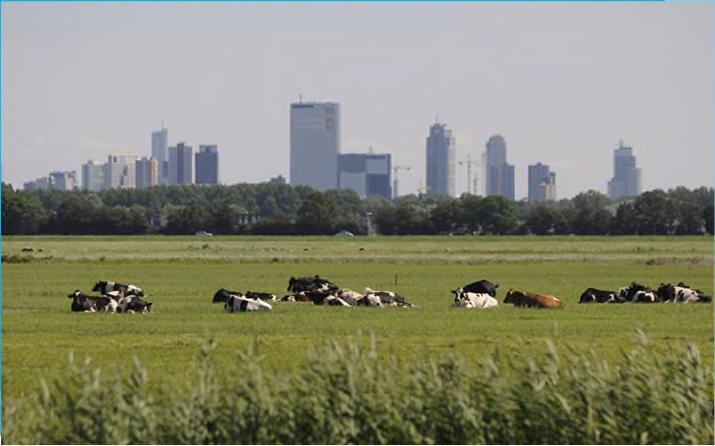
(441, 161)
(119, 172)
(314, 144)
(207, 165)
(626, 181)
(63, 180)
(93, 176)
(542, 183)
(160, 152)
(365, 173)
(181, 164)
(39, 183)
(280, 179)
(147, 172)
(499, 175)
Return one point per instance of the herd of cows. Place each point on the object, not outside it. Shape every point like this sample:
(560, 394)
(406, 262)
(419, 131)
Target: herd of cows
(119, 298)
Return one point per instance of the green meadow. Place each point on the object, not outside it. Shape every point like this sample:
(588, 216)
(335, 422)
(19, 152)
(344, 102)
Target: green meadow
(182, 273)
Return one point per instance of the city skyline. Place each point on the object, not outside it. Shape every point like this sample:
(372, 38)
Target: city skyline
(562, 83)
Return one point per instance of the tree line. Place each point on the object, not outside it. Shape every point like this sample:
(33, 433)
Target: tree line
(279, 209)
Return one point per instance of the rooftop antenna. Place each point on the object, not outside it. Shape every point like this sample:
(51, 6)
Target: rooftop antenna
(436, 116)
(162, 124)
(300, 98)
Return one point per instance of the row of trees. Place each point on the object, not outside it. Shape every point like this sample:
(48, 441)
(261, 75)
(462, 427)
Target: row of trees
(281, 209)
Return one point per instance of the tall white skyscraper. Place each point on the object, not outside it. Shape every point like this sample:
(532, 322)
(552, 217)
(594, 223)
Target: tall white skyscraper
(626, 181)
(119, 172)
(441, 154)
(160, 152)
(181, 164)
(314, 144)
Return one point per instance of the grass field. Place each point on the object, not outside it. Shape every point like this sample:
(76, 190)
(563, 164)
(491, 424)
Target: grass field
(182, 273)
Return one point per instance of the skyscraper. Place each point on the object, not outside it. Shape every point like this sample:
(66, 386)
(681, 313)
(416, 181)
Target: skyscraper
(160, 152)
(119, 172)
(499, 175)
(542, 183)
(207, 165)
(63, 180)
(181, 164)
(441, 155)
(147, 172)
(93, 176)
(314, 144)
(365, 173)
(626, 181)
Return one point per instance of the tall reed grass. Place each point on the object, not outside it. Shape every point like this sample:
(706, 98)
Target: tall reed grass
(345, 393)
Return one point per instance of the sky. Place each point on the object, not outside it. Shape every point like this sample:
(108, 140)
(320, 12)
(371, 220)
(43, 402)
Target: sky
(563, 83)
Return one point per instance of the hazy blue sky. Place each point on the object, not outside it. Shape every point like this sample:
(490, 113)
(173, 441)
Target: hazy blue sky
(562, 82)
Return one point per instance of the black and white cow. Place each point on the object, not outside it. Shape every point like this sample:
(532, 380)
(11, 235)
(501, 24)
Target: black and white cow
(104, 287)
(133, 304)
(387, 298)
(91, 304)
(481, 286)
(223, 294)
(465, 299)
(311, 284)
(236, 304)
(637, 293)
(593, 295)
(670, 293)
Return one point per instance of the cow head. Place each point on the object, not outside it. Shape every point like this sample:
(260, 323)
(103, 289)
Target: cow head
(75, 294)
(458, 295)
(98, 285)
(290, 283)
(510, 296)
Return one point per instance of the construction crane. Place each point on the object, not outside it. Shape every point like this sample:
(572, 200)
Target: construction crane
(470, 186)
(396, 168)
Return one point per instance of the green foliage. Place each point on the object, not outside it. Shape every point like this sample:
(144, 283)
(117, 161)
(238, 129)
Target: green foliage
(347, 394)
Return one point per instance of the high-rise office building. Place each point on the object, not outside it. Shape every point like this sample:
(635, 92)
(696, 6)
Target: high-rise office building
(93, 176)
(37, 184)
(160, 152)
(120, 172)
(626, 181)
(147, 172)
(441, 157)
(365, 173)
(314, 144)
(207, 165)
(181, 164)
(63, 180)
(542, 183)
(499, 175)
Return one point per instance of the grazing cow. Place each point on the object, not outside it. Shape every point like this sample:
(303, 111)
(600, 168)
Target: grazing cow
(481, 286)
(349, 296)
(311, 284)
(464, 299)
(529, 299)
(86, 303)
(670, 293)
(599, 296)
(104, 287)
(388, 298)
(242, 303)
(133, 304)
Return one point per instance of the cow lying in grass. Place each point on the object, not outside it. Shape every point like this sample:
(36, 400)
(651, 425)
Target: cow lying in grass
(91, 304)
(105, 287)
(532, 300)
(593, 295)
(133, 304)
(375, 298)
(481, 286)
(464, 299)
(311, 284)
(678, 293)
(637, 293)
(223, 294)
(240, 303)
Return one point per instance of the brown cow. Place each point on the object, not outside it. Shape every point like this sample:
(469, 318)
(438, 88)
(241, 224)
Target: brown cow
(529, 299)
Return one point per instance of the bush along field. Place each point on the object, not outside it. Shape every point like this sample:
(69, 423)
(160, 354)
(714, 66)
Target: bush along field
(290, 387)
(346, 394)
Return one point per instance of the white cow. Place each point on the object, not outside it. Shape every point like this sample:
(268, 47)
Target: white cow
(241, 303)
(473, 300)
